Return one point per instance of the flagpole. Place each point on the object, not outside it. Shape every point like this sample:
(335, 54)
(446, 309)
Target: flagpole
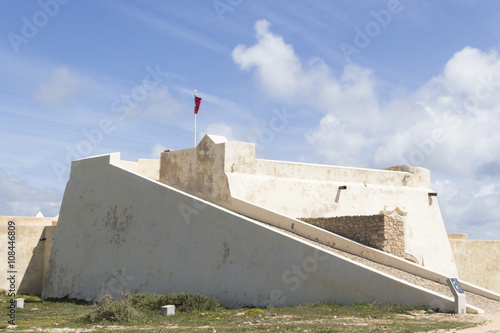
(195, 120)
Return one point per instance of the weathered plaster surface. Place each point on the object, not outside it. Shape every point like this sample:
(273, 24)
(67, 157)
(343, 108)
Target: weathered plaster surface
(478, 261)
(199, 171)
(171, 241)
(32, 247)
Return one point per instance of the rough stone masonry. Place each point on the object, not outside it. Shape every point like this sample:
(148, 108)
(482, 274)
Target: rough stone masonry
(383, 232)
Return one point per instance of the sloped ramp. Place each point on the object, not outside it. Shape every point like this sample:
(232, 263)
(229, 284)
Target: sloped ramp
(120, 232)
(369, 256)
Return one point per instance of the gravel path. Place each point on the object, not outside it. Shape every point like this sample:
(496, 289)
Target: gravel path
(487, 304)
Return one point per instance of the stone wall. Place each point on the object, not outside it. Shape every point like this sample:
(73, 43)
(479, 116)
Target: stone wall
(383, 232)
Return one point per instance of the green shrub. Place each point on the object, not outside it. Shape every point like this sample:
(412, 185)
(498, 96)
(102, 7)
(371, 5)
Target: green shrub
(31, 298)
(66, 299)
(146, 302)
(185, 302)
(402, 309)
(128, 308)
(362, 305)
(117, 311)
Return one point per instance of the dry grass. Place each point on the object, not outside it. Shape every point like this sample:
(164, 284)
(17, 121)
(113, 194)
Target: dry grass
(195, 313)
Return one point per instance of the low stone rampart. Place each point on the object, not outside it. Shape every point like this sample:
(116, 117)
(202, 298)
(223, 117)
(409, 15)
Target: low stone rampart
(383, 232)
(478, 261)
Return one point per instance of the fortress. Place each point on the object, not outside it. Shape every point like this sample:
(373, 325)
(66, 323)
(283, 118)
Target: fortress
(217, 221)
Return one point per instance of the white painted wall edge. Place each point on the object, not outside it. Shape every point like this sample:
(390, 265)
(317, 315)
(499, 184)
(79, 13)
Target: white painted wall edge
(323, 236)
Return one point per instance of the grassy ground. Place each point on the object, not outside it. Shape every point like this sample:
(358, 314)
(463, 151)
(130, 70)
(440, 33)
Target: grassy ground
(198, 314)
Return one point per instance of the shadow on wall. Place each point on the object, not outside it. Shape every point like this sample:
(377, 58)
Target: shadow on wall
(33, 278)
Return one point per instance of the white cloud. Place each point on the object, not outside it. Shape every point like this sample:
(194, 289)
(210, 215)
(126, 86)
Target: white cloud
(160, 104)
(285, 77)
(157, 150)
(349, 101)
(465, 70)
(16, 189)
(168, 27)
(18, 198)
(449, 125)
(337, 142)
(278, 67)
(447, 189)
(488, 190)
(456, 130)
(470, 207)
(220, 129)
(62, 84)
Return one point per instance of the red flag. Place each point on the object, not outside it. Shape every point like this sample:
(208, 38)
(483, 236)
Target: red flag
(197, 102)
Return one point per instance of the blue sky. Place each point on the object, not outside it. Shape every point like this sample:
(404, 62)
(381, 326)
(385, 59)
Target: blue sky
(367, 84)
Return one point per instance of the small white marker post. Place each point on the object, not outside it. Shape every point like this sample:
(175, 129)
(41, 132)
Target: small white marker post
(19, 302)
(168, 310)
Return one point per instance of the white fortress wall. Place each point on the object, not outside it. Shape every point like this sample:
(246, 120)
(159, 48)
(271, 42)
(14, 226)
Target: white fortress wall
(311, 190)
(121, 232)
